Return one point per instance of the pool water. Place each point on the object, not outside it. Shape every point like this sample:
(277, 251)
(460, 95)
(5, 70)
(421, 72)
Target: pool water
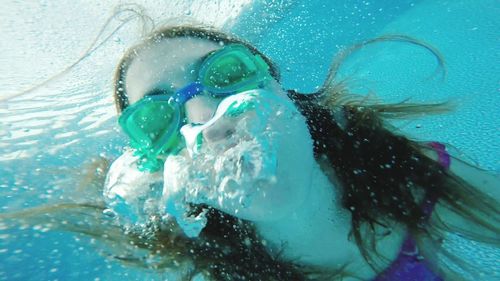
(46, 135)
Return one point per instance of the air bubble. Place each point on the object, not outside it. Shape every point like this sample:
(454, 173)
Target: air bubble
(109, 213)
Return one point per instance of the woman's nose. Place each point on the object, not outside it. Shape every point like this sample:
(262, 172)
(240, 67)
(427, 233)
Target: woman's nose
(200, 109)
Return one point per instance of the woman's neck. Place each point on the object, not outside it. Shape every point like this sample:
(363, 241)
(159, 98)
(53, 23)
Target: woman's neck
(316, 233)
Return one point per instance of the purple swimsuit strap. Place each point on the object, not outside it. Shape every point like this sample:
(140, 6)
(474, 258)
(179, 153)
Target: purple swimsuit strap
(443, 156)
(408, 266)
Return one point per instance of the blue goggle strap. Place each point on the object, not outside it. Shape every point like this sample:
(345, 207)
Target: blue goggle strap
(188, 92)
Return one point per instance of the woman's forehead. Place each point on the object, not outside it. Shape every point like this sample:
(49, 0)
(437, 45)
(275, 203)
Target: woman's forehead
(165, 63)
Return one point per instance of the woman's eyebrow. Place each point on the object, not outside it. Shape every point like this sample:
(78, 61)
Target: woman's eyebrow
(158, 90)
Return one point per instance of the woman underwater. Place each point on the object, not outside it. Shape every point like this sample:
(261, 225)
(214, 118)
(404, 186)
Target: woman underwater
(232, 177)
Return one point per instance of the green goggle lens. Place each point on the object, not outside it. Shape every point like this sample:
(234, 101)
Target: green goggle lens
(232, 69)
(228, 71)
(152, 125)
(153, 119)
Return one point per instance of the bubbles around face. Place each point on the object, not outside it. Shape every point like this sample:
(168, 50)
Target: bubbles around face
(259, 168)
(249, 155)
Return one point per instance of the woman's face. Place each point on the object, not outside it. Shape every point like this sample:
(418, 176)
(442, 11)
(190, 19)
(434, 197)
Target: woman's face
(256, 165)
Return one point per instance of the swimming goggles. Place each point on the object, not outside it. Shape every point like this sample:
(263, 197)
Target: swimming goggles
(153, 123)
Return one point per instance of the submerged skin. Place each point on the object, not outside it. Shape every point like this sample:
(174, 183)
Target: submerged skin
(296, 211)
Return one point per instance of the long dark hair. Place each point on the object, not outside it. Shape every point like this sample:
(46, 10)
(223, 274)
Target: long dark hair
(384, 179)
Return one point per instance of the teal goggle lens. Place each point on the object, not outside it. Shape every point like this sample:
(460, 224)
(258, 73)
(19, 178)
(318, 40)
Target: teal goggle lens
(231, 69)
(153, 127)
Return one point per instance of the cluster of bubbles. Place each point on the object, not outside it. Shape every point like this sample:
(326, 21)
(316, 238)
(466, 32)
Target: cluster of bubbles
(229, 161)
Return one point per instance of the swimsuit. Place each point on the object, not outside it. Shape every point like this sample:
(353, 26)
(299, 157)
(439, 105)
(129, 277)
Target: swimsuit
(409, 265)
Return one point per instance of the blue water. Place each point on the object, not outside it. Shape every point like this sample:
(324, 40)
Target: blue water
(46, 135)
